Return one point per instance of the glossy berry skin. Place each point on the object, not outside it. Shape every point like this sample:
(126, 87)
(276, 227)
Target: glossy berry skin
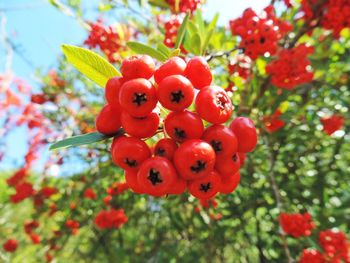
(213, 104)
(129, 152)
(198, 72)
(140, 127)
(138, 97)
(10, 245)
(222, 139)
(194, 159)
(156, 176)
(229, 184)
(175, 93)
(112, 91)
(131, 180)
(165, 148)
(205, 187)
(242, 157)
(141, 66)
(183, 125)
(173, 66)
(108, 120)
(178, 187)
(245, 132)
(228, 165)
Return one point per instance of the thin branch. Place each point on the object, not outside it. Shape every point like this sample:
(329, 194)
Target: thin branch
(222, 54)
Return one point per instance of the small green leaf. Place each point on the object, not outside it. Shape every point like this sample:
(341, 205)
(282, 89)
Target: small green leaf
(164, 49)
(92, 65)
(207, 39)
(200, 23)
(175, 52)
(192, 27)
(196, 44)
(182, 31)
(79, 140)
(140, 48)
(213, 22)
(159, 3)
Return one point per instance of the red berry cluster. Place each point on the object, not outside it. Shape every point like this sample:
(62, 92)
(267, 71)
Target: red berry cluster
(291, 68)
(108, 39)
(203, 160)
(108, 219)
(241, 66)
(171, 28)
(10, 245)
(332, 123)
(260, 33)
(296, 224)
(335, 248)
(29, 227)
(334, 14)
(184, 5)
(273, 123)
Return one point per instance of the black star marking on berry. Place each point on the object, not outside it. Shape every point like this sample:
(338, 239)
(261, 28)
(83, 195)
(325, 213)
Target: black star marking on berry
(234, 158)
(139, 98)
(130, 162)
(200, 166)
(154, 177)
(177, 96)
(160, 152)
(205, 187)
(180, 133)
(217, 145)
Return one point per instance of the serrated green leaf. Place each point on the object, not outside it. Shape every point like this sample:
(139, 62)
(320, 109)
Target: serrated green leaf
(79, 140)
(164, 49)
(92, 65)
(159, 3)
(140, 48)
(182, 31)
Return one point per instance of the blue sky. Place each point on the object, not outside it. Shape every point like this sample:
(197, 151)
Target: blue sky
(38, 30)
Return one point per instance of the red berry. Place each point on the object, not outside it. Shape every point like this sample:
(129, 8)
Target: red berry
(245, 132)
(222, 139)
(194, 159)
(10, 245)
(131, 180)
(198, 72)
(165, 148)
(174, 66)
(156, 176)
(141, 66)
(129, 153)
(229, 184)
(242, 157)
(108, 121)
(205, 187)
(179, 186)
(140, 127)
(228, 165)
(112, 90)
(138, 97)
(183, 125)
(213, 104)
(175, 93)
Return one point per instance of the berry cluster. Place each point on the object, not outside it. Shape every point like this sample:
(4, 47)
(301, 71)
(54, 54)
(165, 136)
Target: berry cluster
(109, 39)
(291, 68)
(108, 219)
(332, 123)
(297, 224)
(260, 33)
(203, 160)
(273, 123)
(335, 248)
(333, 14)
(171, 27)
(10, 245)
(184, 5)
(241, 66)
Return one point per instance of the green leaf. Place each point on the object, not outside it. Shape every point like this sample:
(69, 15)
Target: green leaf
(200, 23)
(159, 3)
(164, 49)
(79, 140)
(182, 31)
(192, 27)
(140, 48)
(207, 39)
(92, 65)
(175, 52)
(196, 44)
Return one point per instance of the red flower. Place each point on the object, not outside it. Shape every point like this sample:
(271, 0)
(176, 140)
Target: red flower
(23, 191)
(311, 256)
(107, 219)
(89, 194)
(335, 245)
(297, 224)
(332, 124)
(273, 123)
(10, 245)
